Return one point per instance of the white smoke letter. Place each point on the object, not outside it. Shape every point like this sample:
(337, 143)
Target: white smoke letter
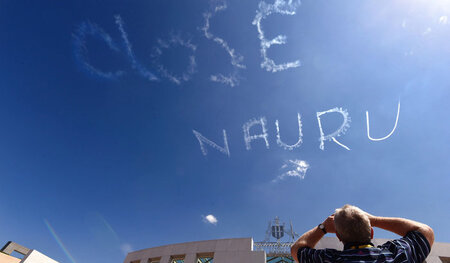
(129, 50)
(387, 136)
(202, 140)
(249, 138)
(236, 59)
(332, 137)
(81, 51)
(175, 40)
(300, 135)
(284, 7)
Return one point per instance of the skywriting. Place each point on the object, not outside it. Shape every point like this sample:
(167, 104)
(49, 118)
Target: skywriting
(139, 124)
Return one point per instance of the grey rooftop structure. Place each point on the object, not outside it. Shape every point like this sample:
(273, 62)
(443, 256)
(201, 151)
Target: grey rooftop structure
(28, 255)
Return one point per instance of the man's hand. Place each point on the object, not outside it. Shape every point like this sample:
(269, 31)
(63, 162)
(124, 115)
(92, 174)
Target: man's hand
(310, 238)
(370, 216)
(329, 224)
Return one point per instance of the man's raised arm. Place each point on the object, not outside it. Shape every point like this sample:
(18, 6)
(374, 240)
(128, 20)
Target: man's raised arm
(310, 238)
(402, 226)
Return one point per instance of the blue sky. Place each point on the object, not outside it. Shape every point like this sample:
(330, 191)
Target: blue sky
(99, 100)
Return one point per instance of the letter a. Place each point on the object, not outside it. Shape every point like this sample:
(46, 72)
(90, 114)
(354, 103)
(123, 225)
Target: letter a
(249, 138)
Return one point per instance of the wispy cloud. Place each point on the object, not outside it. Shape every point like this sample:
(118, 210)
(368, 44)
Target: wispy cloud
(129, 50)
(126, 248)
(210, 219)
(295, 168)
(175, 40)
(230, 80)
(264, 10)
(427, 31)
(236, 59)
(81, 51)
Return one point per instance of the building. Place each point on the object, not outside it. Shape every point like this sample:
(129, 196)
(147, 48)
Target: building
(236, 250)
(25, 255)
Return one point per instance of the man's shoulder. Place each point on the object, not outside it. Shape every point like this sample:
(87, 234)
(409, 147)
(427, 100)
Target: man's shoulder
(412, 238)
(413, 245)
(369, 254)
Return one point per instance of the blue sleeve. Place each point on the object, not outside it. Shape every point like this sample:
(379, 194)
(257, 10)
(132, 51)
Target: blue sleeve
(310, 255)
(414, 246)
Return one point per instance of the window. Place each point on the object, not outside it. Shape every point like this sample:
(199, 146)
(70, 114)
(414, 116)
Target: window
(445, 259)
(154, 260)
(205, 259)
(177, 259)
(280, 259)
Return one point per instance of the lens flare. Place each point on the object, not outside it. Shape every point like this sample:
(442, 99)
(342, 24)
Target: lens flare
(58, 240)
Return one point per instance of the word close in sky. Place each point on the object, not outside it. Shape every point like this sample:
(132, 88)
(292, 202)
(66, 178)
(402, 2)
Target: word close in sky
(88, 29)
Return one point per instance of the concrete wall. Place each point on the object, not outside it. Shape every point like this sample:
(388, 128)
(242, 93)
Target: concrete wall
(4, 258)
(35, 256)
(238, 250)
(223, 251)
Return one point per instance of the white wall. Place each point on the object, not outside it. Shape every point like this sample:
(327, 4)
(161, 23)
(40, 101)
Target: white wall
(35, 256)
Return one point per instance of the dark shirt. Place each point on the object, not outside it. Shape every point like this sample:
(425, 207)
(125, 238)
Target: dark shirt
(412, 248)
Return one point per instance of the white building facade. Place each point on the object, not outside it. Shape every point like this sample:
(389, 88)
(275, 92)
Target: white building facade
(244, 250)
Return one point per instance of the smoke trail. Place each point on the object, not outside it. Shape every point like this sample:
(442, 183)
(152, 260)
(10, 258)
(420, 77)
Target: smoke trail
(340, 144)
(297, 168)
(129, 50)
(300, 135)
(58, 240)
(231, 80)
(236, 59)
(249, 138)
(175, 40)
(341, 131)
(80, 49)
(387, 136)
(279, 7)
(202, 140)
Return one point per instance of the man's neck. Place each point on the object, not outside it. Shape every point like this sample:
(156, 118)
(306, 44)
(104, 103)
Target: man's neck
(357, 245)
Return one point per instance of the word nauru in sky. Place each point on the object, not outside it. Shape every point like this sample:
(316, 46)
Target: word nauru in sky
(85, 29)
(263, 135)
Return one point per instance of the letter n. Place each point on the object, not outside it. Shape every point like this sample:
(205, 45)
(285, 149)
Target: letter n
(203, 140)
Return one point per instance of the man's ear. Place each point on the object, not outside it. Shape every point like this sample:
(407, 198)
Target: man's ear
(371, 233)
